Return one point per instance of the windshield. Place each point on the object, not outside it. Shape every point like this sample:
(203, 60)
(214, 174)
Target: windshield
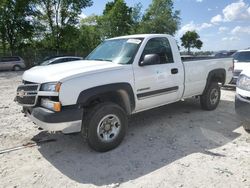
(120, 51)
(242, 56)
(47, 62)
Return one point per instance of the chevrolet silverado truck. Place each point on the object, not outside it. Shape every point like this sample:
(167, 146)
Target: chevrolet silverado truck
(242, 98)
(121, 77)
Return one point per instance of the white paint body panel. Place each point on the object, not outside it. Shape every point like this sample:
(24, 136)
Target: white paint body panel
(240, 66)
(196, 73)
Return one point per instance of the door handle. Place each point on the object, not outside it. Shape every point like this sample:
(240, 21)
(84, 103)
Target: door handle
(174, 71)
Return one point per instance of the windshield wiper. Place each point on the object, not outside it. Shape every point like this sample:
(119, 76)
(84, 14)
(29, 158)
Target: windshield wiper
(100, 60)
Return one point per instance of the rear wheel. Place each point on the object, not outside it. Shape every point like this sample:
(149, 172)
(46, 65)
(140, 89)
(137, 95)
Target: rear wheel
(106, 125)
(211, 97)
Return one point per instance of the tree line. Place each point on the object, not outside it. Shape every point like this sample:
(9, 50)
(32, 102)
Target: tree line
(53, 27)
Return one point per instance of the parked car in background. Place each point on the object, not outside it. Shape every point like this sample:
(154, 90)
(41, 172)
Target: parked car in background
(241, 62)
(224, 54)
(242, 99)
(63, 59)
(12, 63)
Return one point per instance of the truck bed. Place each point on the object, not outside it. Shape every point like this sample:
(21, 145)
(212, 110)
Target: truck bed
(196, 73)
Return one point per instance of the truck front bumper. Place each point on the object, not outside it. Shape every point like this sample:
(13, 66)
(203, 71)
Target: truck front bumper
(69, 120)
(242, 107)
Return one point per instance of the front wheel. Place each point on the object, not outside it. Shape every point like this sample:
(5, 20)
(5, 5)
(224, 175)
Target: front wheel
(106, 126)
(211, 97)
(246, 126)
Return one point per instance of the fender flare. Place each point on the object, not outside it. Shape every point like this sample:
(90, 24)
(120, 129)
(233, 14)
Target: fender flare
(217, 75)
(123, 89)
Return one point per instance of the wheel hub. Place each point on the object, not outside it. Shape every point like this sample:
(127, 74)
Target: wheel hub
(214, 96)
(108, 128)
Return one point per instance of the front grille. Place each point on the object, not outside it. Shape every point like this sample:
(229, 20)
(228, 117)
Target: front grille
(28, 87)
(27, 100)
(27, 94)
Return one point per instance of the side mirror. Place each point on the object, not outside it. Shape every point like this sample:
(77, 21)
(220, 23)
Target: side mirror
(150, 59)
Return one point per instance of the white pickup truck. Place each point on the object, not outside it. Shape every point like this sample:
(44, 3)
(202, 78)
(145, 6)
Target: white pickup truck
(242, 98)
(122, 76)
(241, 62)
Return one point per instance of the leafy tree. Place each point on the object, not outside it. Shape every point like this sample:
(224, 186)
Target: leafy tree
(160, 18)
(136, 17)
(116, 19)
(89, 36)
(16, 24)
(191, 39)
(59, 16)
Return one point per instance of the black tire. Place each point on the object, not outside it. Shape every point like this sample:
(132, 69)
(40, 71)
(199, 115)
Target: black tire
(211, 97)
(246, 126)
(93, 122)
(16, 68)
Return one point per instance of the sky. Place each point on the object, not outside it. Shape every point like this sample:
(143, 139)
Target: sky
(221, 24)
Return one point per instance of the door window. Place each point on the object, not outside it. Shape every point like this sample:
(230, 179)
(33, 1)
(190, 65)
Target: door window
(161, 47)
(7, 59)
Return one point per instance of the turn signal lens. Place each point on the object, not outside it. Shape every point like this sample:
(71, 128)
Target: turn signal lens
(57, 106)
(58, 86)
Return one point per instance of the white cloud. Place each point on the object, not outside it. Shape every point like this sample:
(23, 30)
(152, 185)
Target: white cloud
(204, 26)
(240, 30)
(216, 19)
(222, 29)
(233, 12)
(192, 26)
(199, 1)
(236, 11)
(230, 39)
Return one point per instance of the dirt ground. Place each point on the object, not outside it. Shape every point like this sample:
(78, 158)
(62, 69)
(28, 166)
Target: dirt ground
(178, 145)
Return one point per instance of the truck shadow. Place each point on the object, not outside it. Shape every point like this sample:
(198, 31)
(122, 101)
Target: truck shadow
(155, 139)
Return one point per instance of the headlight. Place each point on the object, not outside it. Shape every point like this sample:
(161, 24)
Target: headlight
(54, 87)
(52, 105)
(243, 82)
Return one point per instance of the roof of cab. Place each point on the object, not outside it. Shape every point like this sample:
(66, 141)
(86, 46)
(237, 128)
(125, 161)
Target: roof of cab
(140, 36)
(246, 50)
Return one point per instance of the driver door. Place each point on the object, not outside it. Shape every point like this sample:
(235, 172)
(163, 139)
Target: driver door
(158, 83)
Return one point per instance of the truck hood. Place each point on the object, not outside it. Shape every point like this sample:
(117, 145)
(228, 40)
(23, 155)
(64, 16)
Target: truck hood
(65, 71)
(242, 66)
(246, 72)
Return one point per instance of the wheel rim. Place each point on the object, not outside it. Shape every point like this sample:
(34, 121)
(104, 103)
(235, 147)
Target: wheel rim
(214, 96)
(16, 68)
(109, 128)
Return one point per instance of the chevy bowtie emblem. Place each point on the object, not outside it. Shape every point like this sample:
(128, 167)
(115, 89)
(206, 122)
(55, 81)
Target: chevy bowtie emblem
(21, 93)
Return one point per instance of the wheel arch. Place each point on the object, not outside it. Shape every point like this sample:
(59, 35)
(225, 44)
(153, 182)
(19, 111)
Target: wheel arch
(216, 75)
(119, 93)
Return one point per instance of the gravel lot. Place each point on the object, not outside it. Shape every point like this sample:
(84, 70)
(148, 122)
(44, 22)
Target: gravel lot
(178, 145)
